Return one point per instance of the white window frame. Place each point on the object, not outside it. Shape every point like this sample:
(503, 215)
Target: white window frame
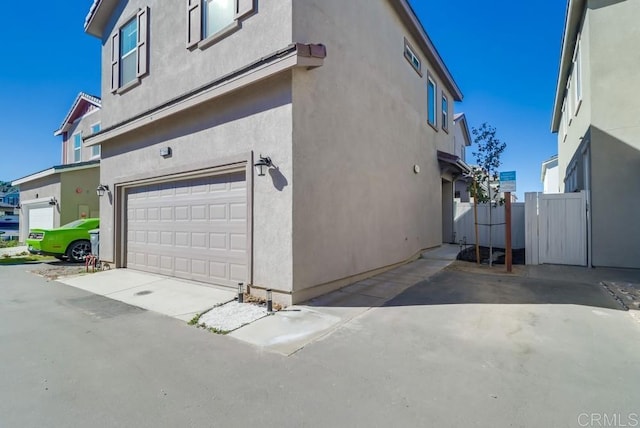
(571, 102)
(96, 150)
(563, 120)
(432, 104)
(577, 76)
(444, 101)
(412, 57)
(77, 150)
(141, 51)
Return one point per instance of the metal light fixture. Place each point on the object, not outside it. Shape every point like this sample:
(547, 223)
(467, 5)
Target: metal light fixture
(269, 301)
(102, 189)
(240, 292)
(262, 165)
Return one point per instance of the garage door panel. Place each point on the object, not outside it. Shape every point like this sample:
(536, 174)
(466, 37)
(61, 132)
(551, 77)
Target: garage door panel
(193, 229)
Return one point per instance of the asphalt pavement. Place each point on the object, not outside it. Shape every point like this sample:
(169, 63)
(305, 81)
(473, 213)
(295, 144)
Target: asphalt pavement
(459, 349)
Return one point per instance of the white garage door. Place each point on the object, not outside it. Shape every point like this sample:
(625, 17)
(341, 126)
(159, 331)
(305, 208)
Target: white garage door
(41, 218)
(193, 229)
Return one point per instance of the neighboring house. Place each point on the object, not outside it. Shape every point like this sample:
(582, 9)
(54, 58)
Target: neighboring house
(549, 175)
(597, 119)
(7, 209)
(344, 105)
(462, 140)
(11, 198)
(66, 192)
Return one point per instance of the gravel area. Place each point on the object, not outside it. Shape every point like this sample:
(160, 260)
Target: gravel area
(231, 316)
(627, 293)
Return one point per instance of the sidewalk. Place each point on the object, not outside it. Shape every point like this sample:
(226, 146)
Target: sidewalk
(12, 251)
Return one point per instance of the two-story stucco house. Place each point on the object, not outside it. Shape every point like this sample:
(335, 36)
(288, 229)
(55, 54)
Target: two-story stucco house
(65, 192)
(340, 106)
(597, 119)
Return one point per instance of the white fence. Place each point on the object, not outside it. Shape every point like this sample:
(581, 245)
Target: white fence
(556, 228)
(463, 224)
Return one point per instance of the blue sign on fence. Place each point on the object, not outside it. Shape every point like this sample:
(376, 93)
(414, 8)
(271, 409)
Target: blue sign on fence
(508, 181)
(508, 176)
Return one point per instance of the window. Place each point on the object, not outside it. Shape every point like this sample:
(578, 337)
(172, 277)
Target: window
(77, 147)
(577, 76)
(95, 150)
(431, 100)
(413, 59)
(210, 20)
(445, 113)
(218, 14)
(129, 52)
(563, 120)
(571, 102)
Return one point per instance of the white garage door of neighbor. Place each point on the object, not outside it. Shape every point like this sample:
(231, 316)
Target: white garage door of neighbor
(41, 218)
(193, 229)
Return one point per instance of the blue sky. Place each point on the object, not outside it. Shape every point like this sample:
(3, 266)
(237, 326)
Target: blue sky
(504, 56)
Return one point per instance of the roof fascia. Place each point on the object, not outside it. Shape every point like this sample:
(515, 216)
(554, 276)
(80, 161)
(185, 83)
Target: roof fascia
(573, 21)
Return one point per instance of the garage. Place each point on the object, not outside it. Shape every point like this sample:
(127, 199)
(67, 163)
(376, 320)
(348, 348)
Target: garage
(193, 229)
(40, 217)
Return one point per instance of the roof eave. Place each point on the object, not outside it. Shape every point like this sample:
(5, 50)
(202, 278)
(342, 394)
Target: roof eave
(99, 16)
(573, 19)
(462, 118)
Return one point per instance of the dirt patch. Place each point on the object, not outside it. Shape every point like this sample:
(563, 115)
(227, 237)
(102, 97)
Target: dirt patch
(469, 255)
(626, 293)
(472, 267)
(54, 271)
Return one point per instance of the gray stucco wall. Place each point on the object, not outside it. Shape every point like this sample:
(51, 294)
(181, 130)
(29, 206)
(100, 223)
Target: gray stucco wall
(82, 125)
(615, 201)
(257, 118)
(615, 135)
(360, 126)
(175, 70)
(78, 190)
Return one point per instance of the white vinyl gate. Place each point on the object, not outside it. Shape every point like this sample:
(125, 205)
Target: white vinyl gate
(556, 228)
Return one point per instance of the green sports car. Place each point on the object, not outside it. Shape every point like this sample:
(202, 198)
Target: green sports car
(70, 241)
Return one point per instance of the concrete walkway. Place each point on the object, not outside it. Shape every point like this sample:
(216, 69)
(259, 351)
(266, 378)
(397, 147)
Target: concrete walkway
(286, 331)
(169, 296)
(290, 330)
(12, 251)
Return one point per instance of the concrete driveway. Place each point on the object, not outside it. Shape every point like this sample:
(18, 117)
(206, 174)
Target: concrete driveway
(461, 349)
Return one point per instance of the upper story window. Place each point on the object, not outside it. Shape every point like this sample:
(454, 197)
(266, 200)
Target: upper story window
(129, 52)
(445, 113)
(77, 147)
(431, 101)
(218, 14)
(210, 20)
(570, 100)
(95, 150)
(577, 77)
(410, 55)
(563, 120)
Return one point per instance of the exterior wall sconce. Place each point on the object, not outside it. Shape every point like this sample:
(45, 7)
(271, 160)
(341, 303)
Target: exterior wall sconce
(263, 164)
(102, 189)
(53, 201)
